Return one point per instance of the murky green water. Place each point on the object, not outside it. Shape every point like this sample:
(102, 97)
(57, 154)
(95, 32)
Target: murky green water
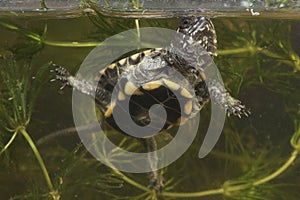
(259, 62)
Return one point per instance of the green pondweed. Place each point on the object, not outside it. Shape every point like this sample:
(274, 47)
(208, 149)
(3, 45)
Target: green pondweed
(255, 184)
(20, 90)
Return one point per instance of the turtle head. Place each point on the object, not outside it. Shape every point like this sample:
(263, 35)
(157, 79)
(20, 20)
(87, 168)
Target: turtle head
(201, 30)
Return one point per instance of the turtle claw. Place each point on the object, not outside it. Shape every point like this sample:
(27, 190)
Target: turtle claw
(235, 107)
(247, 113)
(63, 86)
(62, 75)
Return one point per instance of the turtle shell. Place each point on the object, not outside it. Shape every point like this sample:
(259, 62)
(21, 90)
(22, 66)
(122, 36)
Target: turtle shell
(148, 78)
(143, 80)
(172, 77)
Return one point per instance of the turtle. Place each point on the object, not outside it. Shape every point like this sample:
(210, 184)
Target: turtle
(172, 76)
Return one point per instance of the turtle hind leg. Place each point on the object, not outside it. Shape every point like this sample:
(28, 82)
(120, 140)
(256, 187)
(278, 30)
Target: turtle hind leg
(219, 95)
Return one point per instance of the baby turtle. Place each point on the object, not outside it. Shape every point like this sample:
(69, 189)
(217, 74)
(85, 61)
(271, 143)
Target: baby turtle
(151, 77)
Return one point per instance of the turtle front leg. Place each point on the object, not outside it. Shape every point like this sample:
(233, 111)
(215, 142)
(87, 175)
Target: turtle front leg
(62, 75)
(81, 85)
(219, 95)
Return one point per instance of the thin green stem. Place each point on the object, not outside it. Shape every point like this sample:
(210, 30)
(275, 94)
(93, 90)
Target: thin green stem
(263, 180)
(278, 171)
(266, 179)
(43, 5)
(9, 142)
(294, 62)
(41, 40)
(227, 156)
(70, 44)
(219, 191)
(116, 171)
(234, 51)
(249, 49)
(28, 34)
(83, 44)
(130, 181)
(137, 4)
(38, 157)
(193, 194)
(269, 53)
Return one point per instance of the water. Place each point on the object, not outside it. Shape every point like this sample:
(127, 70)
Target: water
(259, 63)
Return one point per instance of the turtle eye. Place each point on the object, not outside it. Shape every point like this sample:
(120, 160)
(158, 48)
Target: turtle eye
(185, 23)
(193, 71)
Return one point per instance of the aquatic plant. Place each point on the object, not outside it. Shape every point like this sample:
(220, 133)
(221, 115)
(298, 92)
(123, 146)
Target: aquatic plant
(20, 88)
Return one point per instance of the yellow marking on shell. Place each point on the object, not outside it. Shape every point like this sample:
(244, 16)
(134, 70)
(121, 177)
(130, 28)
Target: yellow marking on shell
(109, 109)
(202, 76)
(152, 85)
(181, 121)
(146, 52)
(131, 89)
(184, 92)
(171, 85)
(102, 71)
(188, 107)
(157, 49)
(122, 61)
(121, 96)
(112, 66)
(170, 126)
(134, 57)
(138, 92)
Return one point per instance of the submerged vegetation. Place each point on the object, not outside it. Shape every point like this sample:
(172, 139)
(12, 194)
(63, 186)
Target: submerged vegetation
(256, 158)
(19, 93)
